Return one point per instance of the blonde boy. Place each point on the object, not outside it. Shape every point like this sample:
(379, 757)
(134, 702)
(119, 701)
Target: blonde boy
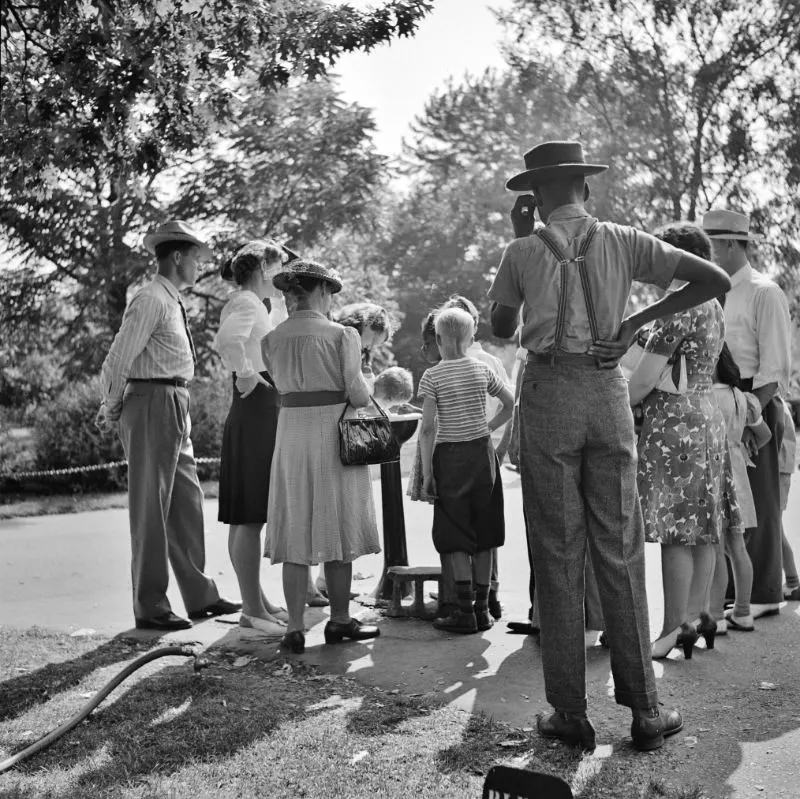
(459, 467)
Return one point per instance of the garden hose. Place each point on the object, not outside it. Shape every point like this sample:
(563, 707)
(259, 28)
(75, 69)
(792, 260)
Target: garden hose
(186, 650)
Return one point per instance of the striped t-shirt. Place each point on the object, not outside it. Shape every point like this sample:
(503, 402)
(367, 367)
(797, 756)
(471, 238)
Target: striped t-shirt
(459, 389)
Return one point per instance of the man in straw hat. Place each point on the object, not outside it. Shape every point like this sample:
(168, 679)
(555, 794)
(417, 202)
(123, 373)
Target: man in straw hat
(758, 332)
(571, 280)
(145, 378)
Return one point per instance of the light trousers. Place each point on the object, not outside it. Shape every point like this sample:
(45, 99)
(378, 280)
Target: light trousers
(165, 501)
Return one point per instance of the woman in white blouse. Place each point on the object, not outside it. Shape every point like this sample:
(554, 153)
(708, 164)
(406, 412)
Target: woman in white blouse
(249, 437)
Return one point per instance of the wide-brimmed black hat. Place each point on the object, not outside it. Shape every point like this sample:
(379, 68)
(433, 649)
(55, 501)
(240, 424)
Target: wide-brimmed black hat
(551, 160)
(300, 268)
(257, 247)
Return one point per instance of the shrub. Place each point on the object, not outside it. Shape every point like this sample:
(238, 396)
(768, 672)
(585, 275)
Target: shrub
(66, 436)
(210, 400)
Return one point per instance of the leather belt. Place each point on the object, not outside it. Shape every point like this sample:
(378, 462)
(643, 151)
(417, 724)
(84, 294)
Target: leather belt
(311, 399)
(178, 382)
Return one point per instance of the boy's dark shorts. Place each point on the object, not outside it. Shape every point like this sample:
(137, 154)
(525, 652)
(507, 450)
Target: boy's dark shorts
(468, 514)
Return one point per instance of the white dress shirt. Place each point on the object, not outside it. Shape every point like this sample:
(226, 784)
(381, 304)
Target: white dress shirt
(758, 329)
(244, 321)
(151, 342)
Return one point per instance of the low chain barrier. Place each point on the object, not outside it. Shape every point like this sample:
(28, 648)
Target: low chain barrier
(78, 469)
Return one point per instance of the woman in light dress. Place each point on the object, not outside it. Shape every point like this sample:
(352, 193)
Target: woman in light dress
(249, 435)
(319, 510)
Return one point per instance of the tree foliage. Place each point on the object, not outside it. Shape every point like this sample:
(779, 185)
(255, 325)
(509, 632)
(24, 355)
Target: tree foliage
(104, 104)
(693, 105)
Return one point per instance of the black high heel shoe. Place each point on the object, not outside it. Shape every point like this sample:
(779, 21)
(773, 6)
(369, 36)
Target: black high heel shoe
(687, 638)
(294, 641)
(708, 629)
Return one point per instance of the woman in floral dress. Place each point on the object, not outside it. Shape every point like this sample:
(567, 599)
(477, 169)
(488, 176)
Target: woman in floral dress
(685, 477)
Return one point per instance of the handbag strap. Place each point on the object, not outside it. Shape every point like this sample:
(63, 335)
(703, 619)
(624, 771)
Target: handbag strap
(375, 402)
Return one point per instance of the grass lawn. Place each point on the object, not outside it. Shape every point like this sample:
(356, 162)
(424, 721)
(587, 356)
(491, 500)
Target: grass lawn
(251, 728)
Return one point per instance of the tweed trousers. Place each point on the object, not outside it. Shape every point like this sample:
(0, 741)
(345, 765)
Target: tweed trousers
(165, 500)
(578, 463)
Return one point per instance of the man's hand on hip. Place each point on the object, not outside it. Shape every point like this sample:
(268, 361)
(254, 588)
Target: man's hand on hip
(607, 352)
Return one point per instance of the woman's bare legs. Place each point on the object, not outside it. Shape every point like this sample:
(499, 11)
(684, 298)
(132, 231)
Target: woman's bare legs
(704, 557)
(244, 548)
(295, 580)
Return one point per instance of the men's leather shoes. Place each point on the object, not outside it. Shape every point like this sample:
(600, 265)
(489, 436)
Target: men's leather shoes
(648, 731)
(166, 621)
(573, 730)
(336, 631)
(222, 607)
(522, 628)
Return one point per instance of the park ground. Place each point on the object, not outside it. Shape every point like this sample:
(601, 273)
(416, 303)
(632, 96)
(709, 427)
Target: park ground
(414, 713)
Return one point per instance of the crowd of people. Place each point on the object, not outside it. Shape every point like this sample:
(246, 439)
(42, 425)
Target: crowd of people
(706, 476)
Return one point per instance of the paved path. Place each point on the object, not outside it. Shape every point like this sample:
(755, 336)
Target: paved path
(70, 572)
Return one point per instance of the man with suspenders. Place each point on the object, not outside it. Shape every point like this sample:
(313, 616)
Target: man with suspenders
(571, 281)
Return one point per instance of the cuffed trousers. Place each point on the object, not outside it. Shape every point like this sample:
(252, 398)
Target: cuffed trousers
(165, 501)
(578, 462)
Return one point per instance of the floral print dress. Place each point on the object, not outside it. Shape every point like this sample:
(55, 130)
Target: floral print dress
(685, 476)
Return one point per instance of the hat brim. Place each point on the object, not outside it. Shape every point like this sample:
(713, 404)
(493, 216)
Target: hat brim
(524, 181)
(152, 239)
(734, 236)
(281, 281)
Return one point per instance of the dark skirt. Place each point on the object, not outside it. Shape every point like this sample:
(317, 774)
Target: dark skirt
(468, 512)
(247, 445)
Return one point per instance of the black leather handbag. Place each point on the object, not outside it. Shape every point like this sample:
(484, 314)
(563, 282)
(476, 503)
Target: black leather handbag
(365, 440)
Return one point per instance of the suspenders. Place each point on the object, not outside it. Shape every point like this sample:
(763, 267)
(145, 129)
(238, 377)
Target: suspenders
(563, 263)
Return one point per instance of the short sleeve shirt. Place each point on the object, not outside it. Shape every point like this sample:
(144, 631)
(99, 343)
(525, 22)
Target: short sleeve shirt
(459, 389)
(529, 276)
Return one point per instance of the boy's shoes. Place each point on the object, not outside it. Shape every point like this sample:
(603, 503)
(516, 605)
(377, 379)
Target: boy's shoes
(495, 608)
(573, 730)
(458, 622)
(791, 594)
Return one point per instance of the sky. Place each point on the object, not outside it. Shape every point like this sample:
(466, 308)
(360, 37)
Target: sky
(457, 37)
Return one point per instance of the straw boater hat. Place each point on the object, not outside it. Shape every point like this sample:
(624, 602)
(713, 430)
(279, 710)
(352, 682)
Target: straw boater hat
(722, 224)
(175, 230)
(300, 268)
(550, 160)
(258, 247)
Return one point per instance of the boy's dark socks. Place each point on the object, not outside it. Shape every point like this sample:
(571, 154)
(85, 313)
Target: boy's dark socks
(464, 595)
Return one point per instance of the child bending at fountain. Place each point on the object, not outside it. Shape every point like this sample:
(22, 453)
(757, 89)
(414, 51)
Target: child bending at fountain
(459, 467)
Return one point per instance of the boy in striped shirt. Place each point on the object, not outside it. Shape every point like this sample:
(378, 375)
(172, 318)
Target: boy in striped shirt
(460, 468)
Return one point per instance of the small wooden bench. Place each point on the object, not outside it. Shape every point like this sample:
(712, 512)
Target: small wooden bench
(419, 575)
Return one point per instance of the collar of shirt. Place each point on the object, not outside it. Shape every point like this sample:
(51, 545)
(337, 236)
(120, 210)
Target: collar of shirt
(474, 347)
(170, 287)
(569, 211)
(744, 275)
